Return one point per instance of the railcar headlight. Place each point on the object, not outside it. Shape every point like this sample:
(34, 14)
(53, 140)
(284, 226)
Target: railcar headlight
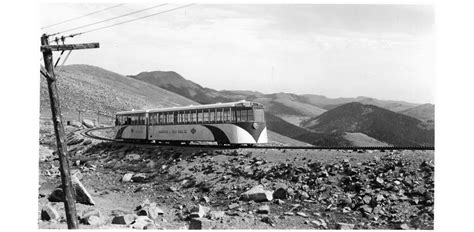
(255, 125)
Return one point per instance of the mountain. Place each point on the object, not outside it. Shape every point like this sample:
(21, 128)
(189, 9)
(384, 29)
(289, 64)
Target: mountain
(425, 112)
(91, 89)
(378, 123)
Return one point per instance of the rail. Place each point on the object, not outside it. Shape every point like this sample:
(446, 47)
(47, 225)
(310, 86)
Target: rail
(88, 133)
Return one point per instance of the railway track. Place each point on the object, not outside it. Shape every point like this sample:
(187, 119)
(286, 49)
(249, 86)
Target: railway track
(89, 133)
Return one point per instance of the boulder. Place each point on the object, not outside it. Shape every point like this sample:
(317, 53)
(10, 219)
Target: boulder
(268, 221)
(123, 219)
(88, 123)
(205, 199)
(151, 164)
(301, 214)
(366, 209)
(257, 194)
(92, 217)
(279, 202)
(127, 177)
(280, 193)
(233, 205)
(217, 215)
(94, 221)
(199, 211)
(142, 223)
(404, 226)
(316, 222)
(139, 178)
(304, 195)
(132, 157)
(200, 224)
(75, 123)
(345, 226)
(48, 213)
(81, 194)
(264, 209)
(146, 208)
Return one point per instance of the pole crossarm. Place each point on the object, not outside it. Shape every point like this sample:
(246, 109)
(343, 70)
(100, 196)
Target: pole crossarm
(69, 47)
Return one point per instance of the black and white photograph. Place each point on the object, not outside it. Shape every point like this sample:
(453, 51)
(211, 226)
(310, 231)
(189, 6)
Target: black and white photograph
(269, 116)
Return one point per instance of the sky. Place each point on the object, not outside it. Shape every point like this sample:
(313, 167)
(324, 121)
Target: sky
(381, 51)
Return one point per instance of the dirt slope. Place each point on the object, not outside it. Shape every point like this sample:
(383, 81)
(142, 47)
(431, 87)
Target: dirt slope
(89, 88)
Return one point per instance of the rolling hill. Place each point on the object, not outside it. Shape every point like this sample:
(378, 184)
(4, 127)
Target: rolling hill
(91, 89)
(425, 112)
(378, 123)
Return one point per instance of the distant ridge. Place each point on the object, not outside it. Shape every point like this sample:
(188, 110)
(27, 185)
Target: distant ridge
(381, 124)
(292, 107)
(425, 112)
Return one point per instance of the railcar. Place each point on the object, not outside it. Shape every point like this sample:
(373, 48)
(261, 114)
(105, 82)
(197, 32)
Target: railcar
(240, 122)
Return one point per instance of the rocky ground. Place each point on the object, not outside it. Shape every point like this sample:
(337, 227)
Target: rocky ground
(188, 188)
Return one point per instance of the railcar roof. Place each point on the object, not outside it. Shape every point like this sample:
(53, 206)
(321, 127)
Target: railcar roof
(194, 107)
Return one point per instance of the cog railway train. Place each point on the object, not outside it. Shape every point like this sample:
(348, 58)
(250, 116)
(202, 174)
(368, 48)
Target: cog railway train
(230, 123)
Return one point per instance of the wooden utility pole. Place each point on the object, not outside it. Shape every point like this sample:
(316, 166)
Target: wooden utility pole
(46, 49)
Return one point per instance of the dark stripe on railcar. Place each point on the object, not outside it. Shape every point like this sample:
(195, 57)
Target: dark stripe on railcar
(248, 126)
(120, 132)
(218, 134)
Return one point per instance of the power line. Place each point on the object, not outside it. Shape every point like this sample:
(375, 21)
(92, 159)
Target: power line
(90, 24)
(95, 12)
(146, 16)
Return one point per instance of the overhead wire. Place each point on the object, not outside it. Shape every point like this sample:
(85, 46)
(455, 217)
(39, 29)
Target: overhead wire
(106, 20)
(116, 24)
(147, 16)
(72, 19)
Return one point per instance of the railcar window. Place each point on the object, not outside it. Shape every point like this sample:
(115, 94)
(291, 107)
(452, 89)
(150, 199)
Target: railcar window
(205, 116)
(219, 115)
(170, 117)
(250, 117)
(193, 116)
(212, 115)
(243, 114)
(156, 119)
(199, 118)
(259, 115)
(226, 115)
(237, 116)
